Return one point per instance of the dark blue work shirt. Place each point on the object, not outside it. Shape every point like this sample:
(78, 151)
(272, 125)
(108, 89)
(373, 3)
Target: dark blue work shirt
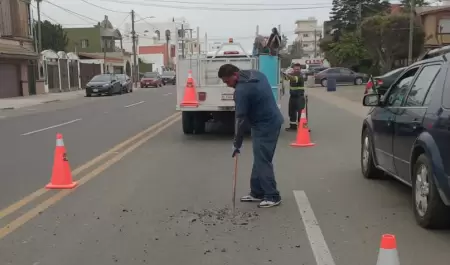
(255, 103)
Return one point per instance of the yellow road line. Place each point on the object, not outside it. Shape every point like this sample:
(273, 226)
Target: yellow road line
(21, 220)
(33, 196)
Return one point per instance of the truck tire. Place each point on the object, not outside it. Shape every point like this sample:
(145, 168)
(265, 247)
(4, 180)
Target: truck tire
(199, 123)
(187, 120)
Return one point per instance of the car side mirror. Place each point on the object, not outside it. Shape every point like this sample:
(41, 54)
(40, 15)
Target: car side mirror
(372, 100)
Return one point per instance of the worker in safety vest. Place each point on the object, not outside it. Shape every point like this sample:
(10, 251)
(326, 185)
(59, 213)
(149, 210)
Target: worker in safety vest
(296, 96)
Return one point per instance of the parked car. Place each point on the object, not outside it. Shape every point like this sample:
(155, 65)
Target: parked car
(169, 77)
(341, 75)
(406, 134)
(104, 84)
(125, 81)
(151, 79)
(382, 83)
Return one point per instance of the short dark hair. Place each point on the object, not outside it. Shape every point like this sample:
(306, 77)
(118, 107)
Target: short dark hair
(227, 70)
(297, 64)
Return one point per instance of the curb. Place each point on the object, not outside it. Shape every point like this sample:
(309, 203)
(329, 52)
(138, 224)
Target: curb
(50, 101)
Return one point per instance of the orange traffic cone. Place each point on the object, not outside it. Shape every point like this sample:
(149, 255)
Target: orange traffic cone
(190, 93)
(61, 174)
(303, 137)
(388, 254)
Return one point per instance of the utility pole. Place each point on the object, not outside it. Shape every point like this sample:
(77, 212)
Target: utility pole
(315, 43)
(104, 45)
(206, 43)
(198, 40)
(190, 40)
(34, 32)
(411, 30)
(359, 18)
(38, 4)
(133, 38)
(182, 40)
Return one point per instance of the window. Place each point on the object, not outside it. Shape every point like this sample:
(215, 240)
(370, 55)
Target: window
(305, 35)
(157, 35)
(345, 71)
(400, 88)
(305, 45)
(333, 71)
(427, 100)
(420, 87)
(84, 44)
(444, 25)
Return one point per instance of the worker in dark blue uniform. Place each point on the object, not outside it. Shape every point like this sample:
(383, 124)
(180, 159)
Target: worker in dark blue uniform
(256, 105)
(297, 100)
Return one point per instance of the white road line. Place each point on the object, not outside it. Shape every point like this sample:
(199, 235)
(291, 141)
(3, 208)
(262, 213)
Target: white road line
(134, 104)
(167, 94)
(51, 127)
(319, 247)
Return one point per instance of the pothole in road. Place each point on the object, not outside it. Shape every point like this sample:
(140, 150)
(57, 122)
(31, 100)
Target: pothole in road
(214, 217)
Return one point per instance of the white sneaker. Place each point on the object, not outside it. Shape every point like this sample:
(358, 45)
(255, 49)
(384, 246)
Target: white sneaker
(250, 198)
(268, 204)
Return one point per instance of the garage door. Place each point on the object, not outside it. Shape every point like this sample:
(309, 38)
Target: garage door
(10, 84)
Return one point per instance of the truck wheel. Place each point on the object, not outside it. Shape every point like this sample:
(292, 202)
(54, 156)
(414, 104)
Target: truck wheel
(187, 120)
(429, 210)
(199, 123)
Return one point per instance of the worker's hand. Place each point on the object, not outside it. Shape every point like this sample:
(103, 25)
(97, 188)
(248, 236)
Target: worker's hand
(235, 151)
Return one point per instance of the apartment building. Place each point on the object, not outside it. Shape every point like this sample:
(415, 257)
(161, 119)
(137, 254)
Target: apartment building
(309, 34)
(18, 59)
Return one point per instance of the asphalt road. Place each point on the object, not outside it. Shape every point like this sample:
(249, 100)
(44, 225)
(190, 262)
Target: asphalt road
(90, 126)
(167, 201)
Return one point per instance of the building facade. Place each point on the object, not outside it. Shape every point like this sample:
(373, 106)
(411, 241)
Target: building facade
(158, 41)
(436, 24)
(18, 59)
(97, 38)
(309, 34)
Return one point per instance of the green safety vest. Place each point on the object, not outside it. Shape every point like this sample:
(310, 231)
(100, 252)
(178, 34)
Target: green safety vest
(297, 84)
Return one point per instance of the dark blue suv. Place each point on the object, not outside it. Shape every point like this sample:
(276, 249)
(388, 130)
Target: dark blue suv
(407, 135)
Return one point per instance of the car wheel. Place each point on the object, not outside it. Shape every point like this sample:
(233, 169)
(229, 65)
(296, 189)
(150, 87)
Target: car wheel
(368, 168)
(358, 81)
(120, 90)
(110, 92)
(131, 90)
(187, 120)
(429, 210)
(324, 82)
(88, 95)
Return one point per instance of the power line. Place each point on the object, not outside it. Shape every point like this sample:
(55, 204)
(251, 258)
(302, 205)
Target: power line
(110, 10)
(83, 17)
(226, 4)
(125, 19)
(214, 9)
(144, 19)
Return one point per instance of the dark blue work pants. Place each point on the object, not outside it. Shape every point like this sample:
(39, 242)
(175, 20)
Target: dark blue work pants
(262, 181)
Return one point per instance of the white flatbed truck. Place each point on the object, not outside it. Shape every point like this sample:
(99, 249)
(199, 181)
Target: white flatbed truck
(216, 102)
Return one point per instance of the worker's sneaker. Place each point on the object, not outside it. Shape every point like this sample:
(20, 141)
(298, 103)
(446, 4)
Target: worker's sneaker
(291, 128)
(268, 204)
(250, 198)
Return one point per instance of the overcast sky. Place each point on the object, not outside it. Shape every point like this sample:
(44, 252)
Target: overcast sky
(219, 24)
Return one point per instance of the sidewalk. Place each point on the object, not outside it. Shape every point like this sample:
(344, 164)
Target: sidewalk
(23, 102)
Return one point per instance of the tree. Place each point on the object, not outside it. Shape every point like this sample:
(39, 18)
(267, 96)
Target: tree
(386, 38)
(53, 36)
(346, 12)
(349, 50)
